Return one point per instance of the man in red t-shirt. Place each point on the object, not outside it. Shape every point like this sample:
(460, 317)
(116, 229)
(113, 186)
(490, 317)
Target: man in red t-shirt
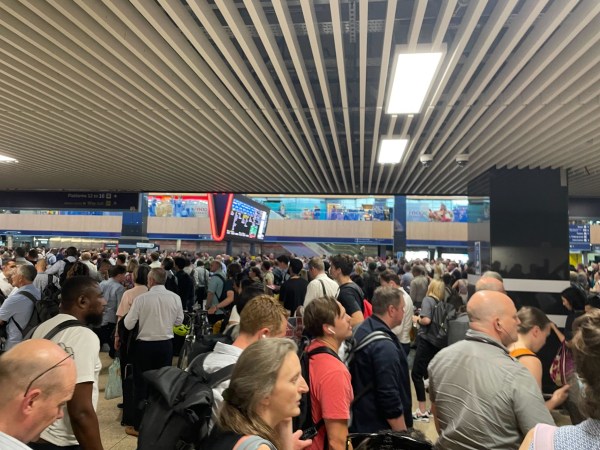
(330, 385)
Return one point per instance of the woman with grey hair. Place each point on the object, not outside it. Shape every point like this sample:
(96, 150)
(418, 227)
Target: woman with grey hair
(263, 395)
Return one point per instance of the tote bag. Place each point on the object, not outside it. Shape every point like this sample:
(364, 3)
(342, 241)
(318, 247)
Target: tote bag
(562, 366)
(114, 387)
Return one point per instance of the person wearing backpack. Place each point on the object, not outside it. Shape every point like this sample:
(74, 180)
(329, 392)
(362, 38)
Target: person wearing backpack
(227, 296)
(59, 268)
(402, 331)
(263, 317)
(215, 291)
(379, 369)
(349, 294)
(18, 307)
(81, 306)
(201, 276)
(198, 390)
(262, 398)
(330, 393)
(428, 345)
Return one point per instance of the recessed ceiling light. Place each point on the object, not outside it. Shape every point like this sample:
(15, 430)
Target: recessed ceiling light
(391, 150)
(412, 76)
(7, 159)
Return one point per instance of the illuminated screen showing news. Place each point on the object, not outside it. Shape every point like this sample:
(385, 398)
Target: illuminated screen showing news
(247, 219)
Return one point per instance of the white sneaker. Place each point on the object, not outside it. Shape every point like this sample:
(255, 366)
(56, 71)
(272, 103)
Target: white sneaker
(419, 416)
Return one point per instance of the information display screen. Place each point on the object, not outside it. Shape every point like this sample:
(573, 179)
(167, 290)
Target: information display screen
(579, 237)
(247, 219)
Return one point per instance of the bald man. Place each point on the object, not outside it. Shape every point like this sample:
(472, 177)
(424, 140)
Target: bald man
(37, 378)
(458, 327)
(482, 398)
(490, 281)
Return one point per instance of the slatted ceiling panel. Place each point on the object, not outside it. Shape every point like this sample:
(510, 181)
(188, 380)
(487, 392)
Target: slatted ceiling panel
(414, 31)
(226, 131)
(203, 95)
(454, 52)
(291, 39)
(519, 25)
(267, 37)
(382, 79)
(308, 10)
(522, 92)
(246, 42)
(338, 36)
(493, 101)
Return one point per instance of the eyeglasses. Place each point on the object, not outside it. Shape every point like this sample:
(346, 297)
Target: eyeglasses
(70, 354)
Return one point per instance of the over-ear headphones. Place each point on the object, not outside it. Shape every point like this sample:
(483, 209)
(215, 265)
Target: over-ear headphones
(331, 331)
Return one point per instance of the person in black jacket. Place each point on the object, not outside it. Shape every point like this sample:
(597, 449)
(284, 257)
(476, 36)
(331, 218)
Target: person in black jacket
(379, 371)
(293, 290)
(185, 284)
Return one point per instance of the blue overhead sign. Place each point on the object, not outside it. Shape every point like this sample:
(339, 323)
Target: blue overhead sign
(59, 200)
(579, 237)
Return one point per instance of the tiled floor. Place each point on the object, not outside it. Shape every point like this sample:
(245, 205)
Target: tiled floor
(114, 437)
(109, 416)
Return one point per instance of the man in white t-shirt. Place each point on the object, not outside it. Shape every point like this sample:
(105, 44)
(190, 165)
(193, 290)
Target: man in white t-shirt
(37, 378)
(320, 285)
(81, 301)
(390, 278)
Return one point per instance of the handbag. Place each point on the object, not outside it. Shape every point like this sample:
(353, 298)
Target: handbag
(114, 387)
(562, 366)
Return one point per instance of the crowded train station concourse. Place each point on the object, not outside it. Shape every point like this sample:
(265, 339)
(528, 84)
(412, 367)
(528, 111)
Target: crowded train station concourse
(299, 224)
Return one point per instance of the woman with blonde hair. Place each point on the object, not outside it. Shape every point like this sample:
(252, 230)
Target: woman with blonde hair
(533, 332)
(263, 395)
(427, 345)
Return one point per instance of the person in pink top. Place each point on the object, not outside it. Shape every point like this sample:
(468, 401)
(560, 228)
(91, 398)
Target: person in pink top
(140, 281)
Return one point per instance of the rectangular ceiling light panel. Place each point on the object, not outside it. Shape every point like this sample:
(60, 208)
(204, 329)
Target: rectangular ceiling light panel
(412, 76)
(391, 150)
(7, 159)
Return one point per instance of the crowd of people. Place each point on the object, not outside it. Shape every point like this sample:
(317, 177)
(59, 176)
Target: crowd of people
(363, 316)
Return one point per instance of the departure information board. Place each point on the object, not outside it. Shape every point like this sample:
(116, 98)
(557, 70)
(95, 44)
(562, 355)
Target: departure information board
(247, 219)
(579, 237)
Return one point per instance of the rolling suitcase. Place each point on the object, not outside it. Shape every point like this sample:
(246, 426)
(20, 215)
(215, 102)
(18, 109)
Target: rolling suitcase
(128, 397)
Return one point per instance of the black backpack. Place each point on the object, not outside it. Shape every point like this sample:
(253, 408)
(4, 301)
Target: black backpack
(223, 295)
(63, 275)
(304, 421)
(50, 300)
(206, 343)
(44, 308)
(437, 333)
(179, 406)
(171, 283)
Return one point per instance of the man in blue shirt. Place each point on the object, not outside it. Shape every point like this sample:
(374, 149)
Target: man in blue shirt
(380, 371)
(112, 291)
(17, 308)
